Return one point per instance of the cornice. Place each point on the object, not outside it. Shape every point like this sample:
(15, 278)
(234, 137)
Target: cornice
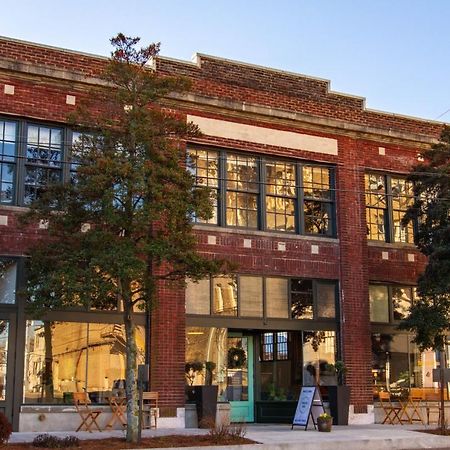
(231, 108)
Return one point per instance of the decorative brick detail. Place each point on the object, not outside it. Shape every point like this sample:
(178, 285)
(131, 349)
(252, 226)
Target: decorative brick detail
(314, 249)
(247, 243)
(70, 99)
(4, 220)
(384, 255)
(281, 246)
(212, 240)
(8, 89)
(381, 151)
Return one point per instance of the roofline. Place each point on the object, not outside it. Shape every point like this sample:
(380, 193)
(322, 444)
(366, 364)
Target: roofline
(196, 60)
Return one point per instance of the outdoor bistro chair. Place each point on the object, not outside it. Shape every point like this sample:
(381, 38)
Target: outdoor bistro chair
(149, 408)
(392, 412)
(88, 416)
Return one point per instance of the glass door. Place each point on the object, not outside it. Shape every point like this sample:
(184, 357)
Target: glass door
(239, 389)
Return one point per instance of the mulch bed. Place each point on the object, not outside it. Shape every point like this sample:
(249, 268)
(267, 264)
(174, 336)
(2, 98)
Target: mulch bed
(437, 431)
(155, 442)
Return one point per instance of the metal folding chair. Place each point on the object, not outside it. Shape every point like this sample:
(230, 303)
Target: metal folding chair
(88, 416)
(392, 412)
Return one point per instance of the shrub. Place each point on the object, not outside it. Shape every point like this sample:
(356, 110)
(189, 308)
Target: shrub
(225, 433)
(49, 441)
(5, 429)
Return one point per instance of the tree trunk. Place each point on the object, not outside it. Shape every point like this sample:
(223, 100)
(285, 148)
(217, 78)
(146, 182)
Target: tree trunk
(131, 379)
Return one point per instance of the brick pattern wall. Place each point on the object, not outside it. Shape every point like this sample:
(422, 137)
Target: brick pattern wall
(349, 259)
(355, 326)
(168, 337)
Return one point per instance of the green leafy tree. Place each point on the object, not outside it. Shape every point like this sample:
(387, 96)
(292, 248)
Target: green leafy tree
(429, 318)
(124, 224)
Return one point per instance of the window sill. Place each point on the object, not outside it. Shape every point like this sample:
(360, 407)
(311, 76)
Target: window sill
(396, 245)
(267, 234)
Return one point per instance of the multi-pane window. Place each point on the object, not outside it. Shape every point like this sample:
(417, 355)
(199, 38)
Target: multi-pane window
(390, 303)
(43, 164)
(402, 199)
(274, 346)
(204, 165)
(376, 206)
(312, 299)
(280, 196)
(257, 297)
(317, 200)
(242, 191)
(252, 192)
(8, 160)
(32, 156)
(387, 199)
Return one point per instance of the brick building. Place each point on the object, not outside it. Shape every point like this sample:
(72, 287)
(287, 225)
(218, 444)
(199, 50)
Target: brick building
(311, 190)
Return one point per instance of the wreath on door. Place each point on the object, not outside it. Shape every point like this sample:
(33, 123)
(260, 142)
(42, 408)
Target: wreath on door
(236, 358)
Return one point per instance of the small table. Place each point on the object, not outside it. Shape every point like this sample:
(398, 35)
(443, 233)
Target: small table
(118, 406)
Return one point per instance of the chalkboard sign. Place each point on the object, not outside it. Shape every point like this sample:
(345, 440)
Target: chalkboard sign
(309, 405)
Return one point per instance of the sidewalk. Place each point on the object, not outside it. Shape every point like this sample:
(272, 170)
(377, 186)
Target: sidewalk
(281, 437)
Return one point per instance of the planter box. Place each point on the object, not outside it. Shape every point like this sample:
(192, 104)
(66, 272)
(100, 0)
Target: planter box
(205, 399)
(275, 411)
(339, 398)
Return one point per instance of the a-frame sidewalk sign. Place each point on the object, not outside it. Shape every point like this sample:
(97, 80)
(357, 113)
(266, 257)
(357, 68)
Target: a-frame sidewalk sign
(309, 405)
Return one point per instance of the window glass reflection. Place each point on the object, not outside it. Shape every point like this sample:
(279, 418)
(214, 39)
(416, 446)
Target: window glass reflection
(8, 276)
(66, 357)
(225, 296)
(4, 334)
(379, 303)
(302, 299)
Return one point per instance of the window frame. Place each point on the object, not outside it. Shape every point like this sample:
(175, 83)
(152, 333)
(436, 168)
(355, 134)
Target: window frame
(265, 317)
(315, 294)
(389, 232)
(298, 199)
(21, 161)
(390, 287)
(275, 346)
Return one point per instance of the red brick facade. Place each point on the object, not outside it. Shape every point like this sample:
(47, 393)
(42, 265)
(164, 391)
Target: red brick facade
(241, 93)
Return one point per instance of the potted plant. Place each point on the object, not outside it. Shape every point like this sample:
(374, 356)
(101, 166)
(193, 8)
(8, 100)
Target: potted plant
(324, 422)
(339, 396)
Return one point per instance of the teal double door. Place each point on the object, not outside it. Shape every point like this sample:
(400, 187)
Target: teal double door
(240, 389)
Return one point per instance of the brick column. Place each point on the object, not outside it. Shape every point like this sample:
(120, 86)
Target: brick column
(355, 319)
(168, 338)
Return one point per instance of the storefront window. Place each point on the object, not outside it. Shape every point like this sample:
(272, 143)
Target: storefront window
(225, 296)
(277, 297)
(289, 360)
(66, 357)
(198, 297)
(8, 275)
(398, 365)
(319, 350)
(401, 301)
(4, 333)
(251, 296)
(302, 299)
(379, 303)
(326, 300)
(206, 351)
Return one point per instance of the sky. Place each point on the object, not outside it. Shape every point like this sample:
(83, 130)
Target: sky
(395, 53)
